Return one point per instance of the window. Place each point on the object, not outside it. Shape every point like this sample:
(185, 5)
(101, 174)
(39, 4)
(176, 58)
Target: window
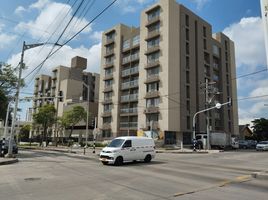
(187, 91)
(154, 102)
(188, 123)
(127, 144)
(204, 31)
(187, 34)
(206, 58)
(153, 14)
(187, 77)
(153, 42)
(107, 120)
(108, 95)
(108, 83)
(110, 36)
(154, 27)
(126, 44)
(187, 20)
(215, 50)
(187, 62)
(205, 43)
(152, 117)
(107, 107)
(227, 67)
(108, 71)
(187, 48)
(188, 105)
(136, 40)
(153, 71)
(106, 133)
(109, 60)
(154, 57)
(110, 48)
(151, 87)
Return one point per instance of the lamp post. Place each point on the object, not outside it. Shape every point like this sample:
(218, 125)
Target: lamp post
(6, 122)
(24, 48)
(87, 86)
(218, 106)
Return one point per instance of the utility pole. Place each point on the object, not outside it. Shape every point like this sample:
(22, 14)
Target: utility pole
(207, 115)
(24, 48)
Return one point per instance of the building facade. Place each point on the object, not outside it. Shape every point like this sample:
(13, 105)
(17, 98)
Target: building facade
(72, 84)
(151, 77)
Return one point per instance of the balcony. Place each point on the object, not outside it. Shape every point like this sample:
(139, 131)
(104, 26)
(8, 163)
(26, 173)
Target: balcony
(108, 65)
(130, 71)
(215, 66)
(107, 113)
(152, 78)
(109, 41)
(152, 94)
(107, 101)
(106, 126)
(152, 49)
(128, 111)
(152, 34)
(130, 58)
(108, 88)
(130, 97)
(151, 110)
(109, 53)
(128, 125)
(153, 20)
(151, 64)
(108, 76)
(131, 84)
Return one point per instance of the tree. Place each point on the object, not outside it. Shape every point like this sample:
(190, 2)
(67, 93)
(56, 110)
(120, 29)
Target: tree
(73, 117)
(25, 132)
(260, 129)
(46, 118)
(8, 84)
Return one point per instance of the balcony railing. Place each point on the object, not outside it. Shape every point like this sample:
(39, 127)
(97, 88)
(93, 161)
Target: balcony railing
(130, 71)
(130, 58)
(129, 110)
(153, 34)
(152, 78)
(128, 124)
(151, 109)
(130, 84)
(131, 97)
(153, 63)
(153, 20)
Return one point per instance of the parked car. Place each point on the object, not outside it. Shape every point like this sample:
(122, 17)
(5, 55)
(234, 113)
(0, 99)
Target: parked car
(262, 146)
(127, 149)
(247, 144)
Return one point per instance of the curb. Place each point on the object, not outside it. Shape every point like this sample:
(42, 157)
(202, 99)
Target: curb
(7, 162)
(260, 175)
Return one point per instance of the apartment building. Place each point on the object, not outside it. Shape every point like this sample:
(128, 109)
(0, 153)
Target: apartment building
(72, 83)
(152, 76)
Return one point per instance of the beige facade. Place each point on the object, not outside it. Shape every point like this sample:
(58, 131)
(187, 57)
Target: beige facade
(72, 83)
(152, 77)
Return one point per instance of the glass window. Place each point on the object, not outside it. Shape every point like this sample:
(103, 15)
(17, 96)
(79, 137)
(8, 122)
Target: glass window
(127, 144)
(187, 20)
(188, 91)
(108, 71)
(154, 102)
(108, 95)
(154, 27)
(110, 36)
(116, 143)
(204, 31)
(151, 87)
(152, 117)
(136, 40)
(216, 50)
(126, 44)
(108, 82)
(107, 120)
(153, 71)
(153, 42)
(187, 48)
(187, 62)
(187, 34)
(106, 133)
(153, 57)
(205, 43)
(107, 107)
(109, 60)
(153, 14)
(187, 77)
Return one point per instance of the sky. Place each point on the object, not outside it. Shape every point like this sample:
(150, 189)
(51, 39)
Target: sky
(39, 21)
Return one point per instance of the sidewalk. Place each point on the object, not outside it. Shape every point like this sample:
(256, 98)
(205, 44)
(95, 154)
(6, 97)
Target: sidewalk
(7, 161)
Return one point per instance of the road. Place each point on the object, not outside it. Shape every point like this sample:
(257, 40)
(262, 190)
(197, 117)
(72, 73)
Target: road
(53, 175)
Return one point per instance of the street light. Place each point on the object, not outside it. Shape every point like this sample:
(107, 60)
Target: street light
(218, 106)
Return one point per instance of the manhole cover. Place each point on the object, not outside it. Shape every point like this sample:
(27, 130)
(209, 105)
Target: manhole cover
(32, 179)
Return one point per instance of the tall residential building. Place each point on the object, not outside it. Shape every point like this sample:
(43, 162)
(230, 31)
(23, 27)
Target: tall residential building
(152, 77)
(72, 83)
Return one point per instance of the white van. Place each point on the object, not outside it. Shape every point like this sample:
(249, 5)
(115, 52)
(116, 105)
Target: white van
(126, 149)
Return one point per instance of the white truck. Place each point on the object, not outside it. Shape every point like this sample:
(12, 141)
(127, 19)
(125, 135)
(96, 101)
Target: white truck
(219, 140)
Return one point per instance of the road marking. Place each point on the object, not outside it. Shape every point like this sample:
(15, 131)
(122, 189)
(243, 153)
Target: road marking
(239, 179)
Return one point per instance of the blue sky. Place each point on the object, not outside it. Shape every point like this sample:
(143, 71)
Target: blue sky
(35, 20)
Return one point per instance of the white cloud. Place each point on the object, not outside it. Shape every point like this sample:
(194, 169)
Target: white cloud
(19, 10)
(40, 4)
(200, 3)
(130, 6)
(96, 36)
(261, 88)
(249, 42)
(6, 39)
(33, 57)
(52, 20)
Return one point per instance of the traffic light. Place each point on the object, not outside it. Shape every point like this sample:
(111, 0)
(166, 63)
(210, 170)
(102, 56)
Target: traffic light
(60, 96)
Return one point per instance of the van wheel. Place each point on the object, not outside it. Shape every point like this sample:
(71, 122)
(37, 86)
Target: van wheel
(148, 158)
(118, 161)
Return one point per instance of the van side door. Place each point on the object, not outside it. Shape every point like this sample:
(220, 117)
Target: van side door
(128, 152)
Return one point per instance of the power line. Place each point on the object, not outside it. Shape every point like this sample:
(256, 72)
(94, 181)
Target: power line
(249, 74)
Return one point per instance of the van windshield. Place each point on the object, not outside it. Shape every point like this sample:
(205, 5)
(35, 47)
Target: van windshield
(116, 143)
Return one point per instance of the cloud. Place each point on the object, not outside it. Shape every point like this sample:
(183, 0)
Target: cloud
(6, 39)
(248, 36)
(261, 88)
(19, 10)
(130, 6)
(51, 21)
(200, 3)
(96, 36)
(40, 4)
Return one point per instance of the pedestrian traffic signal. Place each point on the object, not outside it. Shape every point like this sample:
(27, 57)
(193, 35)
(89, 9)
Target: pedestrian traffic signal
(93, 123)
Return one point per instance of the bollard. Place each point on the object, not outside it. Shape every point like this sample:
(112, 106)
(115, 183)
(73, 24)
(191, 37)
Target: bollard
(84, 150)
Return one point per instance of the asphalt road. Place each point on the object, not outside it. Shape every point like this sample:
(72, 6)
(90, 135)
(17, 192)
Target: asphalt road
(43, 175)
